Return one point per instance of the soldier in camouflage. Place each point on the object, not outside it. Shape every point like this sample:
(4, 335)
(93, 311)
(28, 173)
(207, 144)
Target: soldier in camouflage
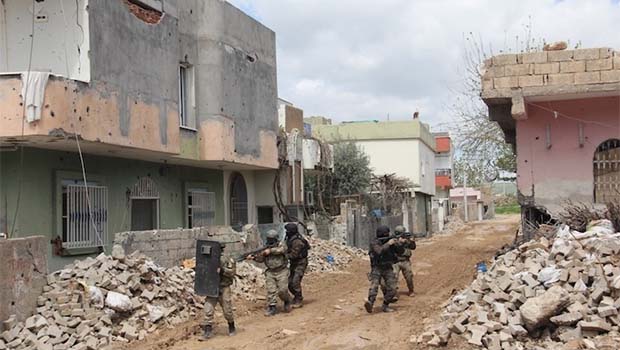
(382, 258)
(227, 271)
(403, 255)
(297, 252)
(276, 275)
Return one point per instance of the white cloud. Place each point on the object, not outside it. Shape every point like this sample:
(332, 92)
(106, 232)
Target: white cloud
(365, 59)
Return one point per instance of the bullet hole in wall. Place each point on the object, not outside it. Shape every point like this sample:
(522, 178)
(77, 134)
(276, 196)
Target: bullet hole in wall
(87, 109)
(52, 114)
(537, 138)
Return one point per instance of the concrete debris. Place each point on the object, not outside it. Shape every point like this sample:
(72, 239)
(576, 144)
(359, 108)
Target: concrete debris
(94, 302)
(341, 255)
(121, 298)
(548, 293)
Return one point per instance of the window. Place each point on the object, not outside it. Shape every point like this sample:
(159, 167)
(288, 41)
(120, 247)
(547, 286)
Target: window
(200, 208)
(186, 96)
(265, 215)
(144, 205)
(607, 172)
(84, 226)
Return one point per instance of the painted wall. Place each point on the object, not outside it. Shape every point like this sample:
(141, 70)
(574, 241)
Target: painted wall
(37, 215)
(565, 171)
(61, 33)
(406, 158)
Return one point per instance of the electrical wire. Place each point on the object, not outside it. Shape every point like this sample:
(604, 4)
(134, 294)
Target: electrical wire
(560, 114)
(21, 146)
(77, 137)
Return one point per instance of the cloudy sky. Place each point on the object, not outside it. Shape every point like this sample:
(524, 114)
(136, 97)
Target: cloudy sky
(367, 59)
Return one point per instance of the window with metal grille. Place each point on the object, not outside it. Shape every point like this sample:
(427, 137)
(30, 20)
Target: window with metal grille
(200, 208)
(607, 172)
(84, 226)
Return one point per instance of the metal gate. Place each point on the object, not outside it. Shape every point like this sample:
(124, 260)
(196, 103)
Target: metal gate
(607, 172)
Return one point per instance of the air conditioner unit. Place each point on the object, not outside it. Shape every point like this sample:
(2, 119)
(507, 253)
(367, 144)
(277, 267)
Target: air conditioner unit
(309, 198)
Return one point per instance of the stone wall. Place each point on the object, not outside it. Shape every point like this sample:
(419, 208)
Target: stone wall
(170, 247)
(23, 273)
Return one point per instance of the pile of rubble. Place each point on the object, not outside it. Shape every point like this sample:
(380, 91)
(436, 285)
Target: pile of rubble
(330, 256)
(96, 301)
(557, 293)
(454, 225)
(250, 282)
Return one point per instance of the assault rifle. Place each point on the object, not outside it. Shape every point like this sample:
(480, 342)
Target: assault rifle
(255, 252)
(383, 240)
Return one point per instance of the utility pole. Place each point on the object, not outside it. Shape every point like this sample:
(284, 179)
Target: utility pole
(465, 195)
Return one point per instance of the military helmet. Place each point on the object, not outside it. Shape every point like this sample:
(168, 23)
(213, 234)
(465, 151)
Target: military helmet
(400, 229)
(291, 227)
(272, 234)
(383, 231)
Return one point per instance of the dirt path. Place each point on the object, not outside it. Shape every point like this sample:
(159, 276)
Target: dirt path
(333, 316)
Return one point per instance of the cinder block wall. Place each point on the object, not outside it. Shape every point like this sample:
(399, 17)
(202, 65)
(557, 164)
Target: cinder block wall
(551, 68)
(170, 247)
(23, 273)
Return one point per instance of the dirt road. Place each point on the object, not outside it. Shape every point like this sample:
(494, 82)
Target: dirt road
(333, 316)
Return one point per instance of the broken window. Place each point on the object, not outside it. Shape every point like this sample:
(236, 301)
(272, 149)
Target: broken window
(200, 208)
(84, 214)
(186, 96)
(607, 172)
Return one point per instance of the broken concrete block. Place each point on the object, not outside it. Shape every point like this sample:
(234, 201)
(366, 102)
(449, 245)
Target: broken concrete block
(567, 319)
(492, 342)
(443, 334)
(517, 331)
(538, 310)
(598, 325)
(458, 328)
(606, 311)
(477, 332)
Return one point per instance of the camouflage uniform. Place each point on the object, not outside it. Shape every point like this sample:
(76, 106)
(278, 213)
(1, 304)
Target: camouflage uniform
(382, 257)
(403, 263)
(276, 275)
(228, 269)
(298, 257)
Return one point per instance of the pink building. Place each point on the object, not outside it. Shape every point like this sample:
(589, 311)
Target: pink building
(561, 110)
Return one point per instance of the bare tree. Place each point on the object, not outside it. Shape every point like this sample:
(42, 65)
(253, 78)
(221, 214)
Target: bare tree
(480, 142)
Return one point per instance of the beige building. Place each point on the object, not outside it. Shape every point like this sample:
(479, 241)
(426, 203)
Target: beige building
(404, 148)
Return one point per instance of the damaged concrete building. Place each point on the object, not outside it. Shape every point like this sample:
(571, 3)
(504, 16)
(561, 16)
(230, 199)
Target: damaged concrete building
(173, 105)
(561, 112)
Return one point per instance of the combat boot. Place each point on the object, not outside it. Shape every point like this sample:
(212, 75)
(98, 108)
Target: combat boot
(208, 332)
(231, 329)
(287, 306)
(411, 293)
(271, 310)
(297, 303)
(368, 306)
(387, 308)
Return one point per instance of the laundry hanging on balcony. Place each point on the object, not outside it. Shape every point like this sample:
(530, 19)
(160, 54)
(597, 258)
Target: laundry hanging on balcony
(33, 93)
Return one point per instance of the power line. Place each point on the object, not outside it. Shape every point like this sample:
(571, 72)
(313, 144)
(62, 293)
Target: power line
(557, 114)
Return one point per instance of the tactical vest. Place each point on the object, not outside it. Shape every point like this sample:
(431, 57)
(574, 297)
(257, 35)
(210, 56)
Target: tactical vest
(306, 248)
